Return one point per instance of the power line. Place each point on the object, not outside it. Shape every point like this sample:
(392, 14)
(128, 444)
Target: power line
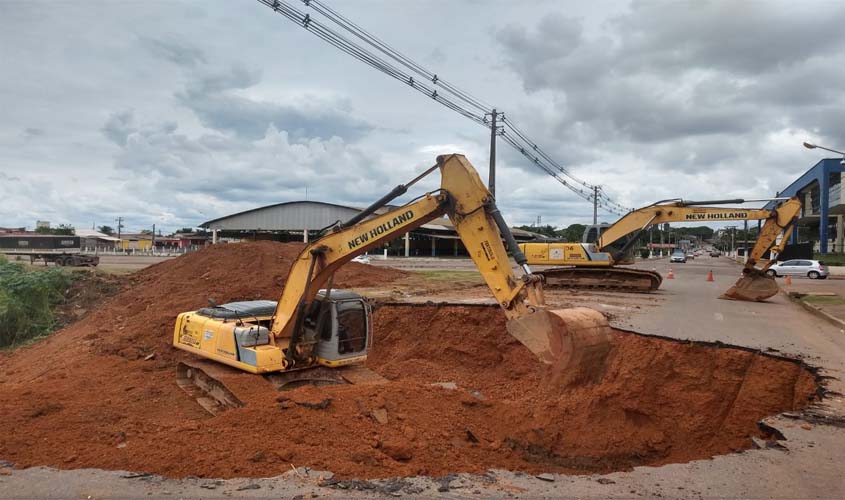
(431, 85)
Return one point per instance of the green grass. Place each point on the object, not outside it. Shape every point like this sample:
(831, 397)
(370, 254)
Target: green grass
(831, 259)
(821, 300)
(27, 297)
(458, 277)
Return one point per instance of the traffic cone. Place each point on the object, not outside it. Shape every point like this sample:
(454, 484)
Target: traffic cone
(671, 275)
(710, 276)
(788, 280)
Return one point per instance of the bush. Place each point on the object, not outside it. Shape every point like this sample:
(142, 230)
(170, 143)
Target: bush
(26, 301)
(644, 253)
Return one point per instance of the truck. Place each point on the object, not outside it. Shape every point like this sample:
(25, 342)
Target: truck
(61, 250)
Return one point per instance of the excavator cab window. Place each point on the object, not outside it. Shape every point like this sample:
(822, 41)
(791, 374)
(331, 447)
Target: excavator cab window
(351, 327)
(593, 232)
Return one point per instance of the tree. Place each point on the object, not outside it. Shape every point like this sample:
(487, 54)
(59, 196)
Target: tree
(107, 230)
(146, 231)
(185, 230)
(63, 229)
(573, 233)
(547, 230)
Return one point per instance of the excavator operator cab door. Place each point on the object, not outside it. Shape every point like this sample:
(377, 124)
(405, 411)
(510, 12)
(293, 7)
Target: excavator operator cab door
(345, 330)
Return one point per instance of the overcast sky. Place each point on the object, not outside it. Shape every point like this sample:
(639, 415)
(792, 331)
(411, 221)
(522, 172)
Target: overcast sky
(177, 112)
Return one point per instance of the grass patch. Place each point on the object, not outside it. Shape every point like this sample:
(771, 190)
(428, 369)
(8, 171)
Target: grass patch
(834, 300)
(457, 277)
(27, 298)
(831, 259)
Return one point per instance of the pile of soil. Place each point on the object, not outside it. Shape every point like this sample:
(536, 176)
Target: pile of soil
(462, 395)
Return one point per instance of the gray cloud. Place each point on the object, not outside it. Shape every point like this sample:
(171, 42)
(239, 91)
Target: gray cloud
(33, 132)
(174, 50)
(250, 118)
(118, 127)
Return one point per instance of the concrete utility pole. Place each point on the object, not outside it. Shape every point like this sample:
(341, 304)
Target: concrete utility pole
(119, 221)
(595, 204)
(153, 243)
(491, 178)
(733, 236)
(745, 250)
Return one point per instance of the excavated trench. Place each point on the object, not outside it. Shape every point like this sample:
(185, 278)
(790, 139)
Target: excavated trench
(462, 396)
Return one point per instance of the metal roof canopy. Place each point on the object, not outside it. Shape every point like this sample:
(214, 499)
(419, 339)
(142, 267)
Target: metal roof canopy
(314, 215)
(287, 216)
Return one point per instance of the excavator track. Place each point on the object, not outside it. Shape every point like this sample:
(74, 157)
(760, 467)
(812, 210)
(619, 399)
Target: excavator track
(608, 278)
(217, 387)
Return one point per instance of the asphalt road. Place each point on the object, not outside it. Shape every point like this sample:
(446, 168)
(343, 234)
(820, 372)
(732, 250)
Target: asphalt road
(687, 307)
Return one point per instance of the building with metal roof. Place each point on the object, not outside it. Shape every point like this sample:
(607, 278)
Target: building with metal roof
(303, 220)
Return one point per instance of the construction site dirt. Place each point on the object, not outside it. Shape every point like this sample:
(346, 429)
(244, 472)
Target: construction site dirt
(462, 395)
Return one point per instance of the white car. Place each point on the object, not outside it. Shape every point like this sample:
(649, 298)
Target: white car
(362, 259)
(812, 269)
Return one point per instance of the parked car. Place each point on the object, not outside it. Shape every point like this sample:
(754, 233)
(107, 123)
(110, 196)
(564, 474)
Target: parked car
(715, 253)
(690, 256)
(812, 269)
(678, 256)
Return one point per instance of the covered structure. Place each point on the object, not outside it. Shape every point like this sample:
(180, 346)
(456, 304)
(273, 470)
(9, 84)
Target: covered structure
(303, 220)
(820, 192)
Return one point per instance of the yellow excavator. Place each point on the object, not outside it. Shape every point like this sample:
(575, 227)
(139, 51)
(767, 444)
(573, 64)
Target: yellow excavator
(594, 263)
(316, 334)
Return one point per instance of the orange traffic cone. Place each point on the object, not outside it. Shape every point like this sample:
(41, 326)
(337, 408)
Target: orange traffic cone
(788, 280)
(710, 276)
(671, 275)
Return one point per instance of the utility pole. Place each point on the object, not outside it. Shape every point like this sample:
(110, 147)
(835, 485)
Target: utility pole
(745, 250)
(595, 204)
(733, 235)
(491, 178)
(119, 221)
(153, 243)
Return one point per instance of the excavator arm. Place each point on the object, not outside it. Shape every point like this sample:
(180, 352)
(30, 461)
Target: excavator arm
(575, 339)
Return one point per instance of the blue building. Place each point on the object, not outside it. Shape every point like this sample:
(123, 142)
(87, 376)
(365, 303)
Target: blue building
(820, 192)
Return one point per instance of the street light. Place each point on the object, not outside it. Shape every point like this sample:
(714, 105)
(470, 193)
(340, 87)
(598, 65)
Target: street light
(814, 146)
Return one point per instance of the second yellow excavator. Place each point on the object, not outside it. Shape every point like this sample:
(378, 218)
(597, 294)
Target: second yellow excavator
(596, 264)
(313, 327)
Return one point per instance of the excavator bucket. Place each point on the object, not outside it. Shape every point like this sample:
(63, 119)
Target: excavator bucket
(575, 342)
(753, 287)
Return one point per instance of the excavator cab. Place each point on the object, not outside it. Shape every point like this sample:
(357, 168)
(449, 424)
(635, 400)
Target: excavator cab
(341, 323)
(622, 252)
(593, 232)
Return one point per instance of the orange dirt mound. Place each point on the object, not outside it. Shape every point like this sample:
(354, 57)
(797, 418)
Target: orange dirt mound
(86, 397)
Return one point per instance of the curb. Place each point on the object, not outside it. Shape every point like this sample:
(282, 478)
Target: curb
(817, 310)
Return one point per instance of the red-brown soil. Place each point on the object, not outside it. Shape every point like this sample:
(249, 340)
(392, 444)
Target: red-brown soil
(87, 398)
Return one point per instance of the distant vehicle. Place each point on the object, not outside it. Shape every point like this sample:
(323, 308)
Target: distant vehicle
(812, 269)
(678, 256)
(58, 249)
(715, 253)
(362, 259)
(690, 256)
